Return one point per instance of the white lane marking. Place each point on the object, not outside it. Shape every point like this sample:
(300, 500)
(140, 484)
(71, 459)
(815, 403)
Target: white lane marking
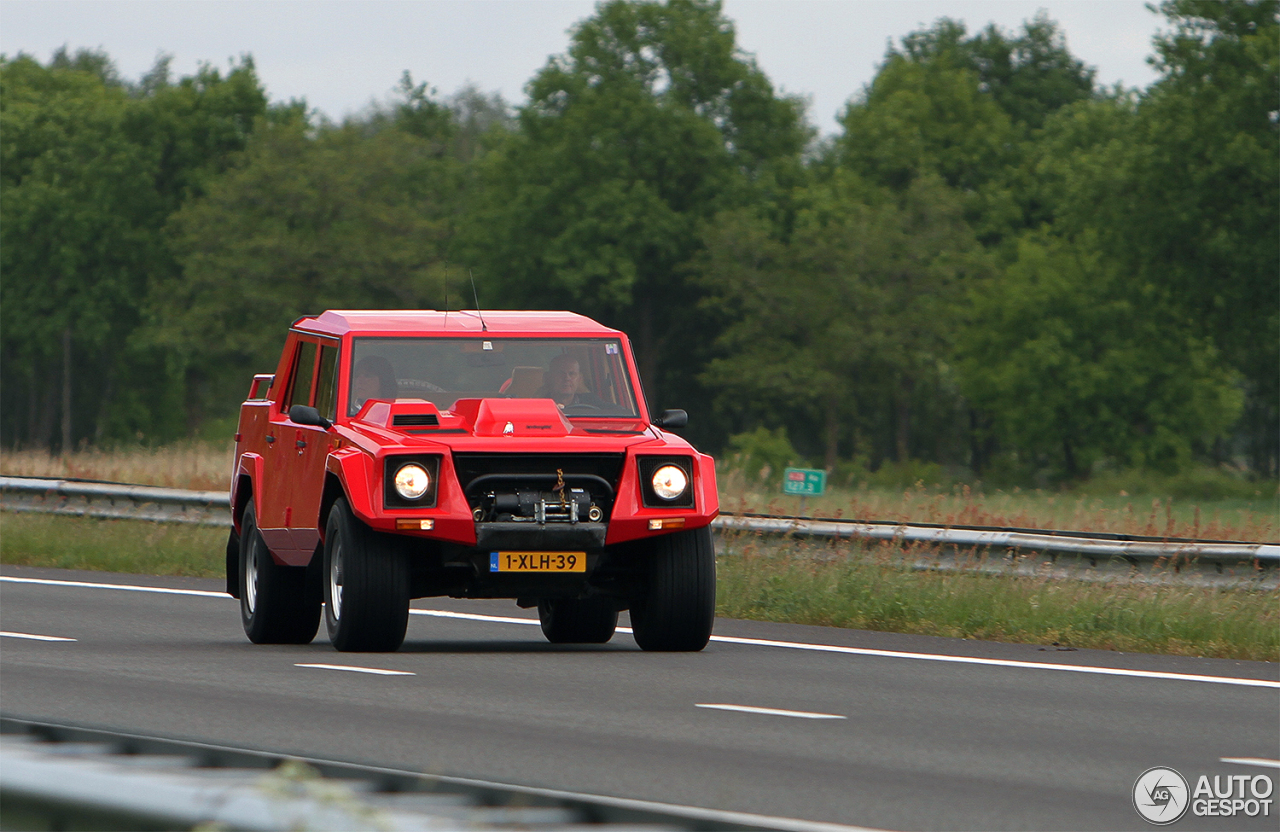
(33, 637)
(898, 654)
(470, 616)
(376, 671)
(748, 709)
(123, 587)
(1251, 761)
(1070, 668)
(496, 619)
(756, 642)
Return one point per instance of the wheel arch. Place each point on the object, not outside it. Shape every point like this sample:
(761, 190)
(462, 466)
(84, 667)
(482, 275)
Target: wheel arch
(242, 495)
(333, 489)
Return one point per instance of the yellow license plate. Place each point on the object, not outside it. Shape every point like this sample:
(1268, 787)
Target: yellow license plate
(537, 561)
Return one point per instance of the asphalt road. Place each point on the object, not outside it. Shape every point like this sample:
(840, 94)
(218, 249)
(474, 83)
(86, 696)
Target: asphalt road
(901, 732)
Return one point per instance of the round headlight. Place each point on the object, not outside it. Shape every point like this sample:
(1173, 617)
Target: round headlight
(669, 482)
(412, 481)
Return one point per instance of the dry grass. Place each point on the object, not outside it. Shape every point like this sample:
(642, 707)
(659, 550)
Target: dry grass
(202, 466)
(207, 466)
(1219, 519)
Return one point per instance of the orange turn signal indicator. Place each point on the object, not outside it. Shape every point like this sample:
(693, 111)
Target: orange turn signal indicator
(666, 523)
(415, 523)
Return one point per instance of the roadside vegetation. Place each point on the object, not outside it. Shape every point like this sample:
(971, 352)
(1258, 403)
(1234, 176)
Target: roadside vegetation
(847, 585)
(874, 589)
(1246, 511)
(991, 268)
(132, 546)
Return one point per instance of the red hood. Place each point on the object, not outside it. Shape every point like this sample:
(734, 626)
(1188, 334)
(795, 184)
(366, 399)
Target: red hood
(506, 424)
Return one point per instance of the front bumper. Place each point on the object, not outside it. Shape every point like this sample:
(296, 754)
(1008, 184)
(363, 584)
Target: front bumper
(545, 536)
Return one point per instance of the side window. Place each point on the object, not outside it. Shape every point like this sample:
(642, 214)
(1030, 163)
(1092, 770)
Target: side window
(304, 368)
(327, 383)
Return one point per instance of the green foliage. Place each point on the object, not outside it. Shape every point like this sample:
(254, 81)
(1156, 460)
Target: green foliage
(1196, 482)
(113, 545)
(1074, 365)
(1029, 75)
(1204, 206)
(844, 587)
(304, 221)
(91, 170)
(651, 122)
(996, 270)
(926, 116)
(850, 312)
(762, 454)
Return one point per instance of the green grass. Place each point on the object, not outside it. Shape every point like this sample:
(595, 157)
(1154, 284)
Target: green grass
(132, 546)
(809, 583)
(795, 582)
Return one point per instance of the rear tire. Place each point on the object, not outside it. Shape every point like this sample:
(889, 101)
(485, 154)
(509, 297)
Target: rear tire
(275, 604)
(366, 585)
(578, 621)
(677, 606)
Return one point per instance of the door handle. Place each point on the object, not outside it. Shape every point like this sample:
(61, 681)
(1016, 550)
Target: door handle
(301, 443)
(271, 440)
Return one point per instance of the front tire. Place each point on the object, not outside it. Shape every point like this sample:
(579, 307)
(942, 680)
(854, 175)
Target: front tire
(677, 606)
(275, 604)
(366, 585)
(578, 621)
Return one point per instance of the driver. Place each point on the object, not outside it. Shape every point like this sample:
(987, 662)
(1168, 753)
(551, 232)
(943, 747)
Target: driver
(374, 378)
(563, 383)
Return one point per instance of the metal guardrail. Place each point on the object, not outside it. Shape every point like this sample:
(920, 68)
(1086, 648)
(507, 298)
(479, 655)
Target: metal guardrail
(57, 776)
(115, 501)
(142, 502)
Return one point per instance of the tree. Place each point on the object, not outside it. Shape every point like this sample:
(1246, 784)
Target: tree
(650, 123)
(77, 201)
(1075, 364)
(1029, 75)
(848, 314)
(305, 220)
(92, 167)
(966, 109)
(1204, 206)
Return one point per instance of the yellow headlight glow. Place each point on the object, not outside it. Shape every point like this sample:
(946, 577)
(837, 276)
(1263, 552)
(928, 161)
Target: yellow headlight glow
(669, 482)
(412, 481)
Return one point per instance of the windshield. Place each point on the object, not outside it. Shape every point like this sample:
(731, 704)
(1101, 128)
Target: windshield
(585, 376)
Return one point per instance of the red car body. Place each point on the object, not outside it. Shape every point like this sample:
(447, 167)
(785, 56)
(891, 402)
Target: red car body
(507, 471)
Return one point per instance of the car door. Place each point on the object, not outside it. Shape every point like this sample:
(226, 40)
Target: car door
(287, 455)
(310, 447)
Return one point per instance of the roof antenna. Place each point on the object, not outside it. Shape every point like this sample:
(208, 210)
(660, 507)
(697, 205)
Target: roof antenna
(474, 294)
(446, 293)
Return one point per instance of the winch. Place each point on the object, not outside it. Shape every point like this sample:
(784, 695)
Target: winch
(567, 505)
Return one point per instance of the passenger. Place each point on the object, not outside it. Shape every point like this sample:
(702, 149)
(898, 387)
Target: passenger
(564, 384)
(374, 379)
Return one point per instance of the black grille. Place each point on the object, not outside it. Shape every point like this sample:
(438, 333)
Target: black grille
(470, 466)
(414, 420)
(542, 488)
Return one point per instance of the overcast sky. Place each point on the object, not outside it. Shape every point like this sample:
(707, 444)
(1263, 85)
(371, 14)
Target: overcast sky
(341, 54)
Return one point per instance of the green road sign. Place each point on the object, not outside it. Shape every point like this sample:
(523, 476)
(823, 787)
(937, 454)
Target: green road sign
(807, 482)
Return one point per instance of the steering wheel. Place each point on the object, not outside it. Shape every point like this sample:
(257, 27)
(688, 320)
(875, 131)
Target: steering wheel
(570, 409)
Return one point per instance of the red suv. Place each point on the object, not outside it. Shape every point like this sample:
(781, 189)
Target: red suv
(400, 455)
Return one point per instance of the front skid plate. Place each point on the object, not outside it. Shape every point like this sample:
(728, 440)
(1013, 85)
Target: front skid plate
(558, 537)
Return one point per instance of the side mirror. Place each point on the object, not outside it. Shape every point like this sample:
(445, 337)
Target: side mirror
(304, 415)
(672, 419)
